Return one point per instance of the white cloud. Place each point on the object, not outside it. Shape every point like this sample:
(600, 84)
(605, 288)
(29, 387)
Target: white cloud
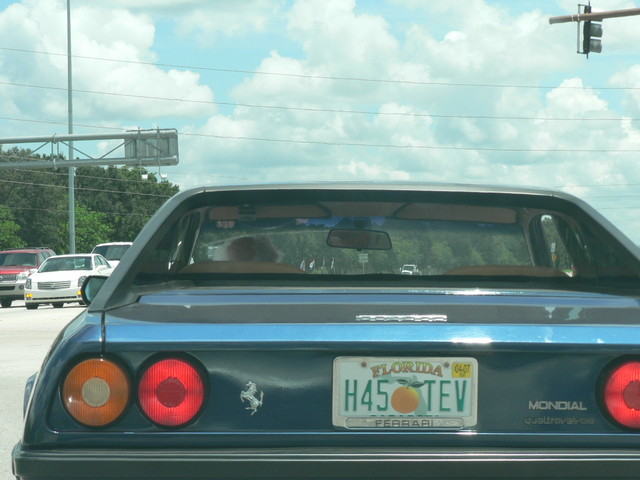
(337, 39)
(97, 33)
(207, 20)
(572, 99)
(451, 90)
(629, 78)
(483, 46)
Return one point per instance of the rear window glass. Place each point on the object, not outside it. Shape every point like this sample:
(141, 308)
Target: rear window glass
(380, 239)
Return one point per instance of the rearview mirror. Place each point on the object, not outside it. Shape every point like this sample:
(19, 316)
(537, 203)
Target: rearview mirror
(359, 239)
(91, 286)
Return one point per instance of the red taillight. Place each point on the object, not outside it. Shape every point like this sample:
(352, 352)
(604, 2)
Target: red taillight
(171, 392)
(622, 394)
(96, 392)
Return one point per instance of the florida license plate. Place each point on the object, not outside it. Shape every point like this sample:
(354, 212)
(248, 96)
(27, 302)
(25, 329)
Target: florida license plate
(401, 393)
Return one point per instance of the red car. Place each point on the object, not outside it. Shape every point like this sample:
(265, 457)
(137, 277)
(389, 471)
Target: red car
(16, 264)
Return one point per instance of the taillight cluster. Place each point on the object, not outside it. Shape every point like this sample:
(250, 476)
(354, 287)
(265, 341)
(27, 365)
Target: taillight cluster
(621, 393)
(170, 392)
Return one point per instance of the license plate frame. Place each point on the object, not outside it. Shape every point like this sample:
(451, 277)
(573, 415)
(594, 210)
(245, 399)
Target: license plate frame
(443, 390)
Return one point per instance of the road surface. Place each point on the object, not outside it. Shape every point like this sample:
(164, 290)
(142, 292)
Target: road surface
(25, 338)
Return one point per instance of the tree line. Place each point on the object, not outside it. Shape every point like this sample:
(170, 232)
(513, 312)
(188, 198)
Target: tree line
(111, 204)
(435, 247)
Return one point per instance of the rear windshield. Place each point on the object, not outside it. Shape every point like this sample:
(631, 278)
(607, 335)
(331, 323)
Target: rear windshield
(309, 245)
(384, 240)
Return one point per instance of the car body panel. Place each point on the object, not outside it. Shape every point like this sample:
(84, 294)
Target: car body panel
(297, 380)
(334, 463)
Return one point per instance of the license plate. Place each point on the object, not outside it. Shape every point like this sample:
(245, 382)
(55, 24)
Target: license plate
(402, 393)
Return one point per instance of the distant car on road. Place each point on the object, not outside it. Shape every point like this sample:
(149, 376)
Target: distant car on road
(16, 264)
(210, 353)
(112, 251)
(408, 269)
(59, 278)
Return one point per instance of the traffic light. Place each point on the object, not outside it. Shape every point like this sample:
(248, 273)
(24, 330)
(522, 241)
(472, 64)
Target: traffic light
(591, 34)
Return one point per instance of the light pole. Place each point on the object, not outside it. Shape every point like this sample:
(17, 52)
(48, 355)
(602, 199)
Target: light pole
(72, 171)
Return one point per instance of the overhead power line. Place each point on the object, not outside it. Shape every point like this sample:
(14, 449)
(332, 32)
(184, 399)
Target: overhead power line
(373, 145)
(320, 77)
(216, 175)
(34, 184)
(418, 147)
(95, 211)
(322, 110)
(92, 177)
(52, 122)
(620, 208)
(31, 184)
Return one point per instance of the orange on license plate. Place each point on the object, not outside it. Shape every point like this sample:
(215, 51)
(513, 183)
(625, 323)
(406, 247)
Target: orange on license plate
(405, 393)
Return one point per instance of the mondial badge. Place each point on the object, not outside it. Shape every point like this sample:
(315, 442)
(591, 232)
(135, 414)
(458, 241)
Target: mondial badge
(251, 395)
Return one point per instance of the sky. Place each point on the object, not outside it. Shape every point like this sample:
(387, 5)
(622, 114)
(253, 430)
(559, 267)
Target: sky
(464, 91)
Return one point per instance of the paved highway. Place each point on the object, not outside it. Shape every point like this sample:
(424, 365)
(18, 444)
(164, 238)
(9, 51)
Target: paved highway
(25, 338)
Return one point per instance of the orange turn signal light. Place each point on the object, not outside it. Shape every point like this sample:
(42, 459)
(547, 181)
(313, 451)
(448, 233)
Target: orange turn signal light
(96, 392)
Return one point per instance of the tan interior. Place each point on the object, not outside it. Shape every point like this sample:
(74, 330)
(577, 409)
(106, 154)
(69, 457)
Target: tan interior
(239, 267)
(506, 270)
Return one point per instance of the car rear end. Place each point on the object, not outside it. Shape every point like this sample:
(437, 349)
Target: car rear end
(328, 392)
(269, 333)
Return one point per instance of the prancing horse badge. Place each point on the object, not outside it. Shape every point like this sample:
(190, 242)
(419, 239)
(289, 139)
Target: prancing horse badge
(250, 395)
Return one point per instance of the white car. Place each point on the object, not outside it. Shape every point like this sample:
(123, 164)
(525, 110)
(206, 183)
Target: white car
(409, 270)
(59, 278)
(112, 251)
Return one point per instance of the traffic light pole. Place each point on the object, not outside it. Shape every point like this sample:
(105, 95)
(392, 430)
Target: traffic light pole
(595, 16)
(591, 29)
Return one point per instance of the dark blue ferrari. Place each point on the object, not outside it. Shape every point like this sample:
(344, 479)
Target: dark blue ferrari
(276, 332)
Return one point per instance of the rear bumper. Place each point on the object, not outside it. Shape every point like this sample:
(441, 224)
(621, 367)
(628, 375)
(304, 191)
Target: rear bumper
(325, 463)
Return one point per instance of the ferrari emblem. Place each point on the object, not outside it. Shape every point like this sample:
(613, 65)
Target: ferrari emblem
(250, 395)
